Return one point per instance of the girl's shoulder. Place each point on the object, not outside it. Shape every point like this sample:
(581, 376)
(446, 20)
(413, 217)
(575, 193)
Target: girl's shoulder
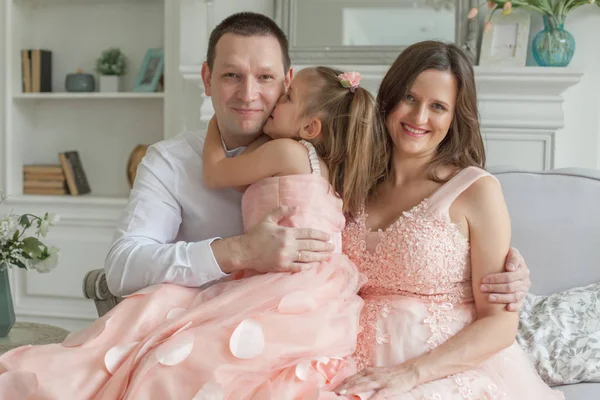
(290, 154)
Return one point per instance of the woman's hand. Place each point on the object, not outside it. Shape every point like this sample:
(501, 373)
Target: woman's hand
(381, 382)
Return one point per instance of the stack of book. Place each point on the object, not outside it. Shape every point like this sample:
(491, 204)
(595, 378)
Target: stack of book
(44, 179)
(68, 177)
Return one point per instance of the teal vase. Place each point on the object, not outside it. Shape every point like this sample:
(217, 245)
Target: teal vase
(553, 46)
(7, 311)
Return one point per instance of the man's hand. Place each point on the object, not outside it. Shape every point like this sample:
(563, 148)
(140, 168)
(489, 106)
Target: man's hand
(268, 247)
(509, 287)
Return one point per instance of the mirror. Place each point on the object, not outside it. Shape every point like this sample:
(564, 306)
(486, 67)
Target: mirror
(371, 31)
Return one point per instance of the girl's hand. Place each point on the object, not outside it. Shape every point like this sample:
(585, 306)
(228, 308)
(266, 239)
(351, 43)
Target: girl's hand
(381, 382)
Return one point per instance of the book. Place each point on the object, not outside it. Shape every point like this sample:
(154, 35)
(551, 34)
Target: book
(36, 68)
(48, 191)
(43, 169)
(44, 177)
(76, 179)
(28, 184)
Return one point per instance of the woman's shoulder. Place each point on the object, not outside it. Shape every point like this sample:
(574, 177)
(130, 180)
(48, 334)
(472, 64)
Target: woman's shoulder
(484, 191)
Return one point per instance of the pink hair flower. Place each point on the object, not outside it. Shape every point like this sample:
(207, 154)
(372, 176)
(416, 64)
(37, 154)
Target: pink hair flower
(350, 80)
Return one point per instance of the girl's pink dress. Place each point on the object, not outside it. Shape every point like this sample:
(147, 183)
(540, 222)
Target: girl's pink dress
(418, 295)
(272, 336)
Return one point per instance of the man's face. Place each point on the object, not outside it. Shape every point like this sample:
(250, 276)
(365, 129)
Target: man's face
(245, 83)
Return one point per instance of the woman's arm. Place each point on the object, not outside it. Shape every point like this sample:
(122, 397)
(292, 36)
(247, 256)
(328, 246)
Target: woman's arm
(272, 158)
(495, 327)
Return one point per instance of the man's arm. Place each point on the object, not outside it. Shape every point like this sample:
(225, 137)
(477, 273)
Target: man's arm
(143, 252)
(511, 286)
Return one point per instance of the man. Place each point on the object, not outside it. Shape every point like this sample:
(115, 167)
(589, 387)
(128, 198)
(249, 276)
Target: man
(175, 230)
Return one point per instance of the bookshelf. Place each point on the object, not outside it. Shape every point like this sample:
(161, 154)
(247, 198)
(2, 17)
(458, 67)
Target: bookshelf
(103, 127)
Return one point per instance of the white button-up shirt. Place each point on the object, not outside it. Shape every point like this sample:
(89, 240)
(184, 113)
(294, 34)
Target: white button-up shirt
(171, 218)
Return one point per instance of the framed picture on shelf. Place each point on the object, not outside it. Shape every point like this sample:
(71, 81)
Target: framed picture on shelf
(506, 43)
(150, 71)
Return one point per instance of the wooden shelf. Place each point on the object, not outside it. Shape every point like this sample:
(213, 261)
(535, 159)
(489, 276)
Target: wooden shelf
(90, 96)
(81, 2)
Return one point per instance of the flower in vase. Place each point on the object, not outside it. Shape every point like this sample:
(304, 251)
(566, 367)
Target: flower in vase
(17, 249)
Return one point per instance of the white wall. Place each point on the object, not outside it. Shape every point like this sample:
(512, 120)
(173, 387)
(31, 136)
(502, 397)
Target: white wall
(579, 141)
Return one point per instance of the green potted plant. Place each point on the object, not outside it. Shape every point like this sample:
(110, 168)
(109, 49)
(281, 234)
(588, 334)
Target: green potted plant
(111, 66)
(21, 250)
(553, 46)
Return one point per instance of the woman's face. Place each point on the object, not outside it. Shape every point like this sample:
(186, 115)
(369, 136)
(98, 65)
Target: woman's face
(423, 117)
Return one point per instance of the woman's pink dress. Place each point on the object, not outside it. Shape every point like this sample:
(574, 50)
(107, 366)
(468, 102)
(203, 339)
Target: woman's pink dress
(418, 295)
(272, 336)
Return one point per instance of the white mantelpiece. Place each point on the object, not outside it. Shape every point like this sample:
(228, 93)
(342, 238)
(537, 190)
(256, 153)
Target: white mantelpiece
(521, 109)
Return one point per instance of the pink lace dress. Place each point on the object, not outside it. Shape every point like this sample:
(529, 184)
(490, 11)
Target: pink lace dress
(418, 295)
(273, 336)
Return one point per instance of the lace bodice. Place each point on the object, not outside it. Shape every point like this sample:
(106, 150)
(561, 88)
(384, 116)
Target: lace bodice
(421, 254)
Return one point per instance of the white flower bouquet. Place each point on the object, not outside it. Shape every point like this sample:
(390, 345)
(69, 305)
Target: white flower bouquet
(27, 251)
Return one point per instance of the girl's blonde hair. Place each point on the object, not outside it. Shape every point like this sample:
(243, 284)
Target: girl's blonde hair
(352, 143)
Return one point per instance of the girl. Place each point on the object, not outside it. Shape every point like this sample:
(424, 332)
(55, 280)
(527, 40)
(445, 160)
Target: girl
(266, 336)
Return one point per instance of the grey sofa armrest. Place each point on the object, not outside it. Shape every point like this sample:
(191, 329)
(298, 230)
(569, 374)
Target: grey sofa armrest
(95, 288)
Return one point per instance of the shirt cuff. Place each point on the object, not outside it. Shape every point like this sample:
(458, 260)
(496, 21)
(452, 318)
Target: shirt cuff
(203, 262)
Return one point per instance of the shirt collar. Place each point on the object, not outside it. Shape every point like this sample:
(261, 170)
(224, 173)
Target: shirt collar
(232, 152)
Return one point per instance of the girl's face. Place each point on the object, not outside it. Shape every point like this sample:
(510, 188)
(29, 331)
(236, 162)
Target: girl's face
(423, 117)
(287, 117)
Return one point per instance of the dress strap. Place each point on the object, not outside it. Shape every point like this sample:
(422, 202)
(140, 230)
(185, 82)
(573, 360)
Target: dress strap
(445, 196)
(315, 165)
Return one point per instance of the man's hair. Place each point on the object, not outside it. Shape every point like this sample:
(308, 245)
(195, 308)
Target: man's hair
(248, 24)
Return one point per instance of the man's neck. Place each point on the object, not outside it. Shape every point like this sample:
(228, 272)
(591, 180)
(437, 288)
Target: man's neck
(232, 141)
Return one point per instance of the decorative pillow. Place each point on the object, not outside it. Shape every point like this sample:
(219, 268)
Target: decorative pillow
(561, 335)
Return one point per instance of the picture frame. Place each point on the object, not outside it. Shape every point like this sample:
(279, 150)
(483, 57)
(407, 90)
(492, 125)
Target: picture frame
(288, 15)
(150, 72)
(507, 42)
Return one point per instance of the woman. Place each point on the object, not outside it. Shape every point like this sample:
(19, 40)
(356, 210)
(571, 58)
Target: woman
(433, 227)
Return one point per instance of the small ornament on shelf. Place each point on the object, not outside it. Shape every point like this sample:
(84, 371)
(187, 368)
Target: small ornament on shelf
(80, 82)
(111, 65)
(135, 158)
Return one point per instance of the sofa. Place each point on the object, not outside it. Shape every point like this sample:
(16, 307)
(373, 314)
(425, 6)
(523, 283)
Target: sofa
(555, 218)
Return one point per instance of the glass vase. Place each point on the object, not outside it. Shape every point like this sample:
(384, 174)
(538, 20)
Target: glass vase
(7, 311)
(553, 46)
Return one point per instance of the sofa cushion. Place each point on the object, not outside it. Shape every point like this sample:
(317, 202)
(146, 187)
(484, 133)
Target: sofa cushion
(561, 334)
(581, 391)
(555, 217)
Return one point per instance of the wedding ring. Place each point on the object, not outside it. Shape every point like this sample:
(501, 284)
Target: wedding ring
(299, 255)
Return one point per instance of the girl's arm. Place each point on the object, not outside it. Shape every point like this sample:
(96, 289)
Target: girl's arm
(495, 328)
(275, 157)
